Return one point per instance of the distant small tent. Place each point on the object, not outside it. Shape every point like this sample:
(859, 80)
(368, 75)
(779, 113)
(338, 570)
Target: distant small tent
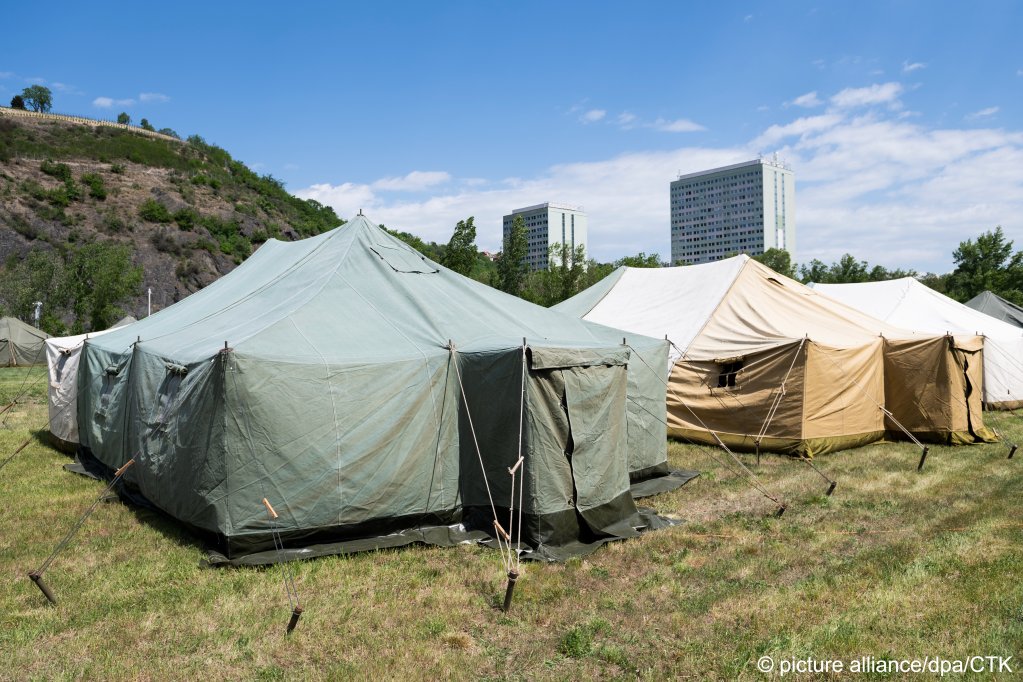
(997, 307)
(20, 343)
(62, 354)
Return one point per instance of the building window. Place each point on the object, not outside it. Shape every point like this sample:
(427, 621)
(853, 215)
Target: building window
(727, 372)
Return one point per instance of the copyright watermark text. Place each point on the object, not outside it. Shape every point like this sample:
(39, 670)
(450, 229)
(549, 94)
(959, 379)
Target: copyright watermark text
(783, 666)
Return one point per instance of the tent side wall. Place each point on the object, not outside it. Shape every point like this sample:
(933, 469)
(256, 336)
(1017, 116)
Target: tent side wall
(574, 442)
(341, 451)
(829, 400)
(698, 404)
(647, 409)
(926, 384)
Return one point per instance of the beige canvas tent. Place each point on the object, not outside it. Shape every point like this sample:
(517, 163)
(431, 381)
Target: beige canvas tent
(20, 343)
(762, 361)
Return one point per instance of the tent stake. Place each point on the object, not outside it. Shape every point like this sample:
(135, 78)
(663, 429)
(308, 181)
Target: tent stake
(831, 488)
(923, 457)
(295, 615)
(513, 575)
(781, 510)
(1012, 451)
(37, 578)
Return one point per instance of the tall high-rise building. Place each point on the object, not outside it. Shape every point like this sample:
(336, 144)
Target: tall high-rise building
(546, 225)
(744, 208)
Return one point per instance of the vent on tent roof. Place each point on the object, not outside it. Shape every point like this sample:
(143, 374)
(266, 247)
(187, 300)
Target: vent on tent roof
(403, 260)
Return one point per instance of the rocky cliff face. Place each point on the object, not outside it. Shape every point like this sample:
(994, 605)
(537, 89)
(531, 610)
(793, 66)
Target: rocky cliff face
(188, 211)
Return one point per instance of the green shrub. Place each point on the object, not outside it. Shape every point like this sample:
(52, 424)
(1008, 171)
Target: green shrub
(154, 212)
(97, 189)
(117, 168)
(61, 171)
(186, 218)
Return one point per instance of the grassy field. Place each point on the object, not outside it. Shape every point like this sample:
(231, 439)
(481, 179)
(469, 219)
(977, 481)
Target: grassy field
(897, 564)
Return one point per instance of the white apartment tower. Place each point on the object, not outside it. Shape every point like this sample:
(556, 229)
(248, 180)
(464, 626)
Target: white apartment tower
(744, 208)
(546, 225)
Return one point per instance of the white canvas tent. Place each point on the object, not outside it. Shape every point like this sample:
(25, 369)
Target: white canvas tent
(764, 362)
(910, 304)
(62, 354)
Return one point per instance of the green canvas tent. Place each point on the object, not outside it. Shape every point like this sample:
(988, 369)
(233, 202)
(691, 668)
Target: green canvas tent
(348, 379)
(20, 343)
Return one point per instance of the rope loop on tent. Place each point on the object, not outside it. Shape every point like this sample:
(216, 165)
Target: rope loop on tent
(499, 532)
(754, 481)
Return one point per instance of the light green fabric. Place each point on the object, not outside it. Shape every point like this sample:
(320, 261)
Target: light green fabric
(323, 375)
(21, 344)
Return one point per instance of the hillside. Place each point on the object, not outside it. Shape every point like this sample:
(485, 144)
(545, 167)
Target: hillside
(188, 212)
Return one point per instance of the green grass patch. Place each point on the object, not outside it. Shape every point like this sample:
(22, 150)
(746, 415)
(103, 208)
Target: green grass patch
(897, 563)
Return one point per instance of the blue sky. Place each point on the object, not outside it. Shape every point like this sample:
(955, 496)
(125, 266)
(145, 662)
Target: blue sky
(902, 120)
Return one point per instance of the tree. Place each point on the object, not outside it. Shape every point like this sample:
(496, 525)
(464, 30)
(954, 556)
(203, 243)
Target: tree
(18, 102)
(100, 279)
(511, 266)
(124, 118)
(146, 125)
(640, 260)
(778, 260)
(461, 254)
(37, 98)
(989, 263)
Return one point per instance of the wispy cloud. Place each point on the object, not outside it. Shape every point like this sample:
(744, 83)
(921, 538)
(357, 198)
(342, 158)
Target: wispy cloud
(153, 97)
(748, 18)
(908, 67)
(6, 74)
(809, 100)
(108, 102)
(593, 115)
(626, 119)
(878, 93)
(678, 125)
(983, 113)
(414, 181)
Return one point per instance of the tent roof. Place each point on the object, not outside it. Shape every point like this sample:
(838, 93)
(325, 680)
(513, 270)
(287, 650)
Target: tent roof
(913, 305)
(351, 295)
(729, 307)
(994, 305)
(13, 329)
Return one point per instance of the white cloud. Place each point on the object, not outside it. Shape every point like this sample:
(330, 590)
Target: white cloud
(413, 182)
(876, 185)
(809, 100)
(983, 113)
(883, 93)
(593, 115)
(108, 102)
(798, 128)
(748, 18)
(153, 97)
(626, 119)
(6, 74)
(679, 125)
(908, 67)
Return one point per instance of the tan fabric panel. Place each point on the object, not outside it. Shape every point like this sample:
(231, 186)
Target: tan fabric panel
(844, 391)
(926, 389)
(696, 402)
